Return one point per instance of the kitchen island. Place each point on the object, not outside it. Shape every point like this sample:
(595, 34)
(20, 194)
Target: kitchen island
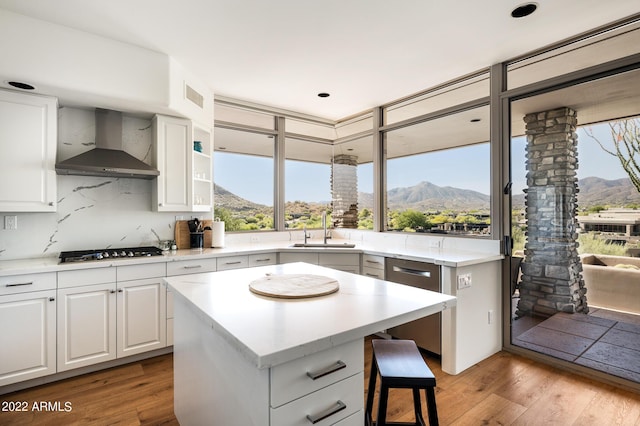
(246, 359)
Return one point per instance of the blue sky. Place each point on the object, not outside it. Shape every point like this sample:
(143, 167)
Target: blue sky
(468, 168)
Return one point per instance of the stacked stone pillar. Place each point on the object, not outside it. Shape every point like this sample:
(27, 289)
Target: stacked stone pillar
(551, 271)
(344, 191)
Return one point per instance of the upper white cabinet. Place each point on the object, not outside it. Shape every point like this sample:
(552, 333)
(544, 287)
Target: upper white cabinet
(183, 157)
(28, 135)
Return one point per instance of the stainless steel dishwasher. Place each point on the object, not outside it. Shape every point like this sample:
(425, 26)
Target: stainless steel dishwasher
(426, 331)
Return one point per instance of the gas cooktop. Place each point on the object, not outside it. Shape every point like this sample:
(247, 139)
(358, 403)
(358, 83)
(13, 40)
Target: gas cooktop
(106, 254)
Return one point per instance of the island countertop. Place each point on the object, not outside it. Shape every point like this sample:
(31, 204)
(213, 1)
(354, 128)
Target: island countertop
(270, 331)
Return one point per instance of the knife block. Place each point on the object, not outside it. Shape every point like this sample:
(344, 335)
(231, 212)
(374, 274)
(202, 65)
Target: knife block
(182, 234)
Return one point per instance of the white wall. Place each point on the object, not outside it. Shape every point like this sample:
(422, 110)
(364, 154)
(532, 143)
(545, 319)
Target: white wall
(93, 212)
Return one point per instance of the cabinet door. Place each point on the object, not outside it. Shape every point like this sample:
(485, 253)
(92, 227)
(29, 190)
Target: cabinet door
(173, 147)
(86, 325)
(142, 316)
(28, 136)
(27, 336)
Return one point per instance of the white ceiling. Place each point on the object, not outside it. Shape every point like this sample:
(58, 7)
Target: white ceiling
(365, 53)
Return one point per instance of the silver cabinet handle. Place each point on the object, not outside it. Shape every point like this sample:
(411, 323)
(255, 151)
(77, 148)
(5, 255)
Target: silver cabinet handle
(19, 284)
(371, 275)
(375, 262)
(263, 260)
(411, 271)
(233, 263)
(192, 266)
(314, 375)
(315, 418)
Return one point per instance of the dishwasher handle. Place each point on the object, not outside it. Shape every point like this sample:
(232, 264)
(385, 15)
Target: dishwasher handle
(411, 271)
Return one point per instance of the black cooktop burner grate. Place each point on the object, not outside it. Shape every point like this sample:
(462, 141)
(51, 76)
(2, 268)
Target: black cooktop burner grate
(108, 253)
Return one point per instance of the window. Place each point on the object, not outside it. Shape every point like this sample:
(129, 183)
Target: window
(243, 173)
(307, 182)
(438, 175)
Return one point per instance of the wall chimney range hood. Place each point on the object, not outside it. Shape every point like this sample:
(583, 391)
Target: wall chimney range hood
(108, 158)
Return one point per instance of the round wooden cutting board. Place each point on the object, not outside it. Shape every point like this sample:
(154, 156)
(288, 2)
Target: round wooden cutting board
(294, 286)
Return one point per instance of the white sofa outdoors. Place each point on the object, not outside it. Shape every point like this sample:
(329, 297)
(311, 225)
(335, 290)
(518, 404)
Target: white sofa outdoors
(612, 282)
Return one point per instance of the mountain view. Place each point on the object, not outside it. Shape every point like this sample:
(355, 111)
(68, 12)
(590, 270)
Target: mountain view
(595, 191)
(427, 197)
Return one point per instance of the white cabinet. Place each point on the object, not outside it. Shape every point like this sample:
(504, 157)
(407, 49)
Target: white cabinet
(27, 327)
(195, 266)
(108, 313)
(262, 259)
(86, 325)
(301, 256)
(373, 266)
(141, 309)
(28, 136)
(185, 181)
(232, 262)
(348, 262)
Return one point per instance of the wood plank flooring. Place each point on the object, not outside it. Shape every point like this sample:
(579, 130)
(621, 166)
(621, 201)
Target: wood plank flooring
(505, 389)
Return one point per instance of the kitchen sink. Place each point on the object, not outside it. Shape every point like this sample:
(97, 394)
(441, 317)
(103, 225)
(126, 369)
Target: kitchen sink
(322, 245)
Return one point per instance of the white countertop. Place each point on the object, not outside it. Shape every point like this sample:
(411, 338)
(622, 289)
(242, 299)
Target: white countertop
(444, 257)
(270, 331)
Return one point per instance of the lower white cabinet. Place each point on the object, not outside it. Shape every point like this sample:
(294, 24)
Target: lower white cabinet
(142, 317)
(348, 262)
(27, 335)
(373, 266)
(86, 325)
(101, 321)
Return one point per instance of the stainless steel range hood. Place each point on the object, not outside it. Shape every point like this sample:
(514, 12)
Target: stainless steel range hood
(108, 158)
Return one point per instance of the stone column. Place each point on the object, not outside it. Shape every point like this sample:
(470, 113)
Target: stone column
(344, 191)
(551, 271)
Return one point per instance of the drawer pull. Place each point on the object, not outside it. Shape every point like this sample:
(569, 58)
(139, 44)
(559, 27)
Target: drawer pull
(237, 262)
(371, 275)
(375, 262)
(339, 406)
(263, 260)
(192, 266)
(314, 375)
(19, 284)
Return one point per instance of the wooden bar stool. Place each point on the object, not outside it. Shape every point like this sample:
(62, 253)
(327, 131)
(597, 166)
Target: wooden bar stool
(400, 365)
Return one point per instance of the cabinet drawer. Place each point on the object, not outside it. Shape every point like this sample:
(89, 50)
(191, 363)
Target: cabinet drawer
(292, 379)
(67, 279)
(232, 262)
(13, 284)
(262, 259)
(373, 272)
(299, 257)
(351, 259)
(371, 261)
(324, 402)
(182, 267)
(138, 272)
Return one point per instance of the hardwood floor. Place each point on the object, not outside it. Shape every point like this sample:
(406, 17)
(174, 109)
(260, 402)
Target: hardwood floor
(504, 389)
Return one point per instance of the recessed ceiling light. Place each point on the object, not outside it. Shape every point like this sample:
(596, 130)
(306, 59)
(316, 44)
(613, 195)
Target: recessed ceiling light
(323, 95)
(475, 120)
(20, 85)
(524, 10)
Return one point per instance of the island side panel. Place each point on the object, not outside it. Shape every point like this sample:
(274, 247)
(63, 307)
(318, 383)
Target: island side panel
(469, 333)
(213, 383)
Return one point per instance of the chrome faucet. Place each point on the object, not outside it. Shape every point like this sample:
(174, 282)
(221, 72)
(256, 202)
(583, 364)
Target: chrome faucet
(305, 233)
(324, 226)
